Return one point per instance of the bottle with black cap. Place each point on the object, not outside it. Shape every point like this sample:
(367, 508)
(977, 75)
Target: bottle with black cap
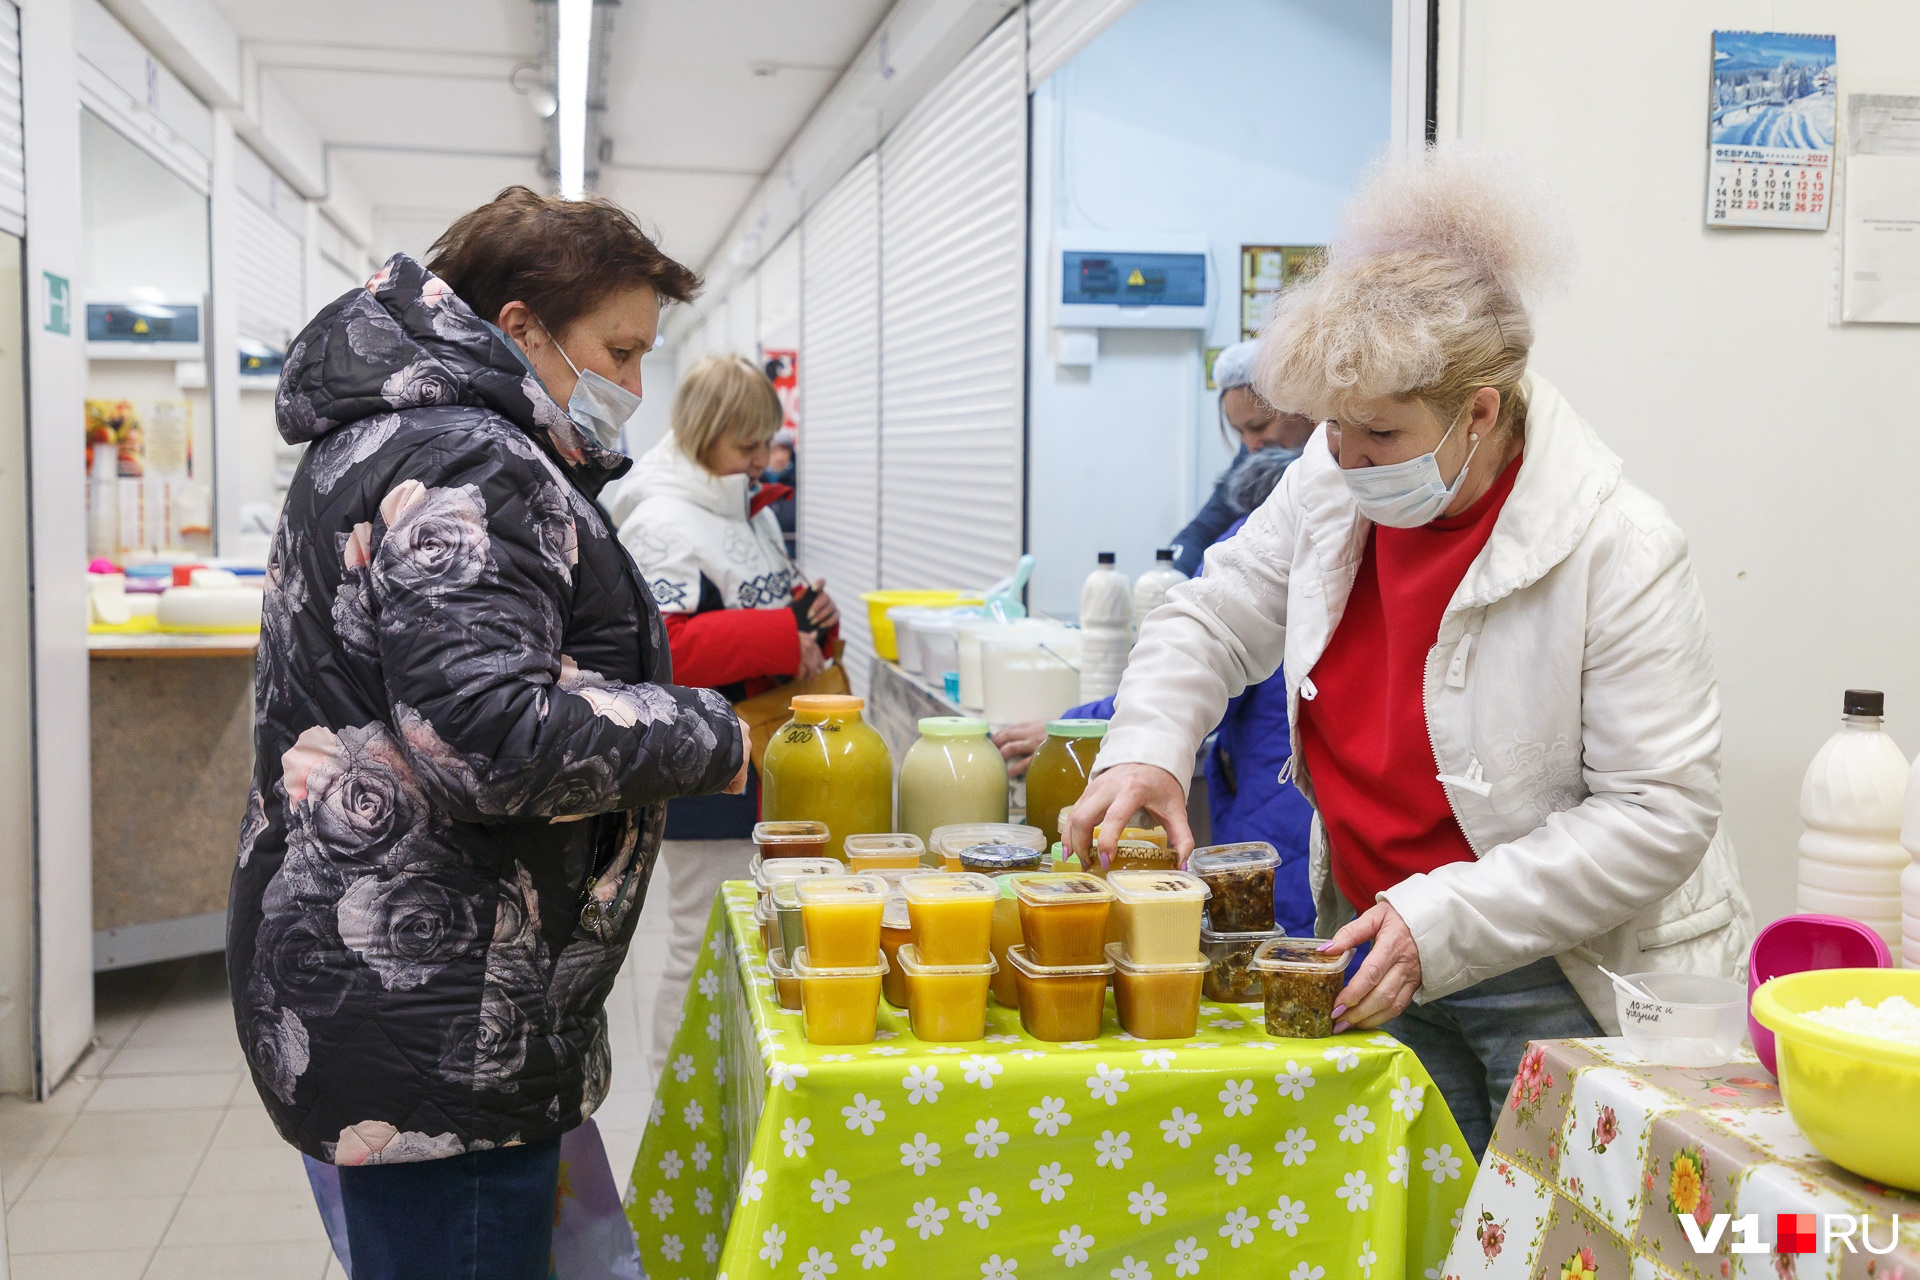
(1851, 858)
(1150, 589)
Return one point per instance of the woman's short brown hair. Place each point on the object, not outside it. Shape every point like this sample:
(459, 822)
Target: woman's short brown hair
(561, 257)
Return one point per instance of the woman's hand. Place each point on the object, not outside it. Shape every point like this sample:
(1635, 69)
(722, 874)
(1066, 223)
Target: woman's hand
(1018, 742)
(812, 661)
(1115, 796)
(739, 784)
(1388, 979)
(823, 613)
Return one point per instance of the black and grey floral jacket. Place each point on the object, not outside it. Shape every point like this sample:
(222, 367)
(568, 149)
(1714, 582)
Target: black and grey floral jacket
(463, 744)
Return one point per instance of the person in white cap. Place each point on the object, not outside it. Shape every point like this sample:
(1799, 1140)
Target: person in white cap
(1259, 426)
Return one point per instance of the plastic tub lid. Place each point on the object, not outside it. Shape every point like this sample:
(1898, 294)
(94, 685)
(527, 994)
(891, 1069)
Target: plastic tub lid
(1006, 882)
(877, 843)
(1208, 934)
(860, 888)
(785, 893)
(1020, 958)
(763, 911)
(1122, 963)
(911, 964)
(803, 967)
(957, 836)
(952, 727)
(802, 832)
(894, 915)
(768, 871)
(777, 963)
(1077, 728)
(996, 858)
(1048, 889)
(1252, 855)
(826, 704)
(1143, 884)
(1281, 955)
(949, 886)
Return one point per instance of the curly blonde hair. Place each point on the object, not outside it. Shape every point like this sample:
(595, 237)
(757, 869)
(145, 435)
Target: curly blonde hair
(1424, 294)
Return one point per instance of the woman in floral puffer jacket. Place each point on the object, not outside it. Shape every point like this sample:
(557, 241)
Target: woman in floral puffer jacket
(465, 735)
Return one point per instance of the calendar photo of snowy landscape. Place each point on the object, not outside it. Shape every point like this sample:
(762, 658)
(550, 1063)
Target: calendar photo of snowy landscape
(1770, 131)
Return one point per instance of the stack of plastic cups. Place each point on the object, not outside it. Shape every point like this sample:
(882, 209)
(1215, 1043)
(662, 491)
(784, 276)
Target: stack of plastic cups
(840, 967)
(1158, 968)
(949, 965)
(1239, 915)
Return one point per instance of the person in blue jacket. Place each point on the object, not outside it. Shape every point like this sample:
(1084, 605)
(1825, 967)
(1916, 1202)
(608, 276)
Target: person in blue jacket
(1246, 800)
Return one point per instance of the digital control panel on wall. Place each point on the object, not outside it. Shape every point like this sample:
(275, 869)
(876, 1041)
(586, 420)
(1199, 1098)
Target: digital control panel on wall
(1112, 280)
(143, 330)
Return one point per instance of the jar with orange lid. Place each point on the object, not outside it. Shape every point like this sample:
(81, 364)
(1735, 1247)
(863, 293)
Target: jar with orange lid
(1060, 770)
(828, 765)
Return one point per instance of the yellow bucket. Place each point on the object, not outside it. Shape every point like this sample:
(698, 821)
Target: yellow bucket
(1856, 1098)
(878, 602)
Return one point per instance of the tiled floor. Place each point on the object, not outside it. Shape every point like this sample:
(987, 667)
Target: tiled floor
(155, 1160)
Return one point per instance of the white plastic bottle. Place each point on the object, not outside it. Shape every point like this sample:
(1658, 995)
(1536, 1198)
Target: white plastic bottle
(1150, 592)
(1910, 878)
(1851, 858)
(1106, 629)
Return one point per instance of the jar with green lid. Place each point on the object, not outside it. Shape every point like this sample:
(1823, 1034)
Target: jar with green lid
(952, 774)
(1059, 771)
(828, 765)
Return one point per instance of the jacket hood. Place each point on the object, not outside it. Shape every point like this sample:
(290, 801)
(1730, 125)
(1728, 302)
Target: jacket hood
(664, 471)
(406, 341)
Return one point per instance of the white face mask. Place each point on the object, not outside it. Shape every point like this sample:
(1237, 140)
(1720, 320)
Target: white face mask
(1406, 495)
(599, 406)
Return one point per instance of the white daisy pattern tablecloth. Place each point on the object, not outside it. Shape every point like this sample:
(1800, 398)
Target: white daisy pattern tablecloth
(1228, 1154)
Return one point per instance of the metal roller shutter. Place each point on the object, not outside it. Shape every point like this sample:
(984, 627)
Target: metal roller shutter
(271, 258)
(953, 208)
(778, 325)
(1058, 29)
(13, 161)
(840, 402)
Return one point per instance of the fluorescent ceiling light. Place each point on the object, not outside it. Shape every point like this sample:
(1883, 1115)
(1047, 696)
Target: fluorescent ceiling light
(576, 37)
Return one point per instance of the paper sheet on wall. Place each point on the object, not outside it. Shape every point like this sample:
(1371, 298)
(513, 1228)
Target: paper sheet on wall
(1880, 274)
(1770, 130)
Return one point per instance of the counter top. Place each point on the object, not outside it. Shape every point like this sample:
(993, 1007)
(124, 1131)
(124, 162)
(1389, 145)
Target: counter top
(170, 644)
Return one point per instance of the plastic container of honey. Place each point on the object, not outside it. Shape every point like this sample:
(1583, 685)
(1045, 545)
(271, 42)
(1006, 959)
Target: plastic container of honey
(796, 839)
(1131, 854)
(900, 851)
(896, 931)
(769, 928)
(766, 870)
(1156, 1001)
(1006, 933)
(1158, 915)
(1063, 917)
(952, 914)
(841, 918)
(786, 987)
(841, 1004)
(790, 932)
(946, 1003)
(1001, 859)
(1241, 878)
(946, 842)
(1299, 986)
(1060, 1002)
(1230, 977)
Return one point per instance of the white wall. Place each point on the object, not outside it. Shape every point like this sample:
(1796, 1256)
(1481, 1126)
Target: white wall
(1786, 445)
(1250, 127)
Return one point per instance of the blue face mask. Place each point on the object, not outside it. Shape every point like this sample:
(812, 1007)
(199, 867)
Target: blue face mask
(599, 406)
(1406, 495)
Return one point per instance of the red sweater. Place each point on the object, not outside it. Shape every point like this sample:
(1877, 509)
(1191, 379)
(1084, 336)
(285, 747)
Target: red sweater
(1364, 735)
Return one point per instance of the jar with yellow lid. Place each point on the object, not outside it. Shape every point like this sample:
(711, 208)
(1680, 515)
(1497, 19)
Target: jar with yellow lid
(828, 765)
(953, 774)
(1060, 770)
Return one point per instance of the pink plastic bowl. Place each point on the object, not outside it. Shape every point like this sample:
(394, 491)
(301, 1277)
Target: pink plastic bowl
(1795, 944)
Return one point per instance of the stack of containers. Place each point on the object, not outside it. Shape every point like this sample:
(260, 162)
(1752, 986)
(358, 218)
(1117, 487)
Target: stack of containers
(949, 965)
(840, 965)
(1060, 966)
(1158, 968)
(1239, 915)
(766, 873)
(947, 843)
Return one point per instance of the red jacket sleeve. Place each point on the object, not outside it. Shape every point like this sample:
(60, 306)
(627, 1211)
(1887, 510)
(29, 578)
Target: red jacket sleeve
(726, 646)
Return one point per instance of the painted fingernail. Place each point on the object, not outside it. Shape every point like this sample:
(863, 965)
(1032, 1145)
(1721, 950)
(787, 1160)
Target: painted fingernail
(1338, 1027)
(1339, 1009)
(1326, 946)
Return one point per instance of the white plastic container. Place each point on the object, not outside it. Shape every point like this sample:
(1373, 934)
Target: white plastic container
(1106, 629)
(905, 642)
(967, 649)
(1910, 877)
(1692, 1020)
(1028, 671)
(936, 634)
(1851, 857)
(1150, 589)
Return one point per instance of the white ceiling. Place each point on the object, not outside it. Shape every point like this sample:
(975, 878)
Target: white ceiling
(413, 99)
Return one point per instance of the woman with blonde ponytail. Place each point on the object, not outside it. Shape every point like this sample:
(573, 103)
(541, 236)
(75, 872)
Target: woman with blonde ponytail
(1499, 676)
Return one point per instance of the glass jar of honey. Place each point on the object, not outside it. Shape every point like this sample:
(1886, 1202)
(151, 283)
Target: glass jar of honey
(953, 774)
(1060, 770)
(828, 765)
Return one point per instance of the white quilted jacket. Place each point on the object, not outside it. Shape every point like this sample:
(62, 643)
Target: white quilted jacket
(1570, 695)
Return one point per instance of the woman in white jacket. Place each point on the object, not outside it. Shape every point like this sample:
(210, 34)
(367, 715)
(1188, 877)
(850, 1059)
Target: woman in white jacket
(1500, 682)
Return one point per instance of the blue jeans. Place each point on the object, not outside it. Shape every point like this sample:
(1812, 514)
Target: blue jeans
(486, 1215)
(1471, 1041)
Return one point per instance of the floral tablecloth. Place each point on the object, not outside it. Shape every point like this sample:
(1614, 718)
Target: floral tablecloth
(1230, 1154)
(1598, 1153)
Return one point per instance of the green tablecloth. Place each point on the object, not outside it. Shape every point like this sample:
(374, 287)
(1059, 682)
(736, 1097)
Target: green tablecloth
(1231, 1154)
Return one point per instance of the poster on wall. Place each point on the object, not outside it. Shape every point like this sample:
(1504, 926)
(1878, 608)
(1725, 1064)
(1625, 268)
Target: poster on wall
(1266, 269)
(1771, 114)
(1880, 275)
(783, 367)
(150, 444)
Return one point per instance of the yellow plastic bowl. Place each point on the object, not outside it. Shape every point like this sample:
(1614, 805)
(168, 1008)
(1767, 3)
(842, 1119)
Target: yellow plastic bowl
(878, 602)
(1857, 1099)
